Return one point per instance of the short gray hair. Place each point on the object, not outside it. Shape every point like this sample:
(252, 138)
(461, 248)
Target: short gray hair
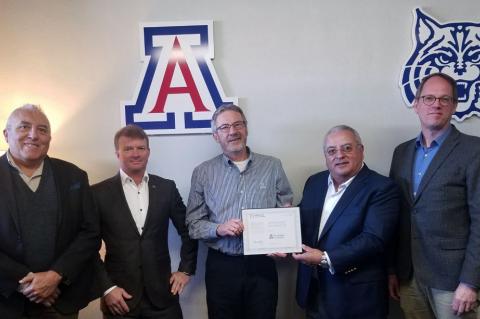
(343, 127)
(224, 108)
(33, 108)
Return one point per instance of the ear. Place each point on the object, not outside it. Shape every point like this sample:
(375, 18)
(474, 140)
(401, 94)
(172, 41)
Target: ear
(117, 154)
(415, 105)
(215, 137)
(5, 135)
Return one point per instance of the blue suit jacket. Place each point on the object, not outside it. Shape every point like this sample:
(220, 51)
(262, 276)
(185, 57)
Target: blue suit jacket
(355, 237)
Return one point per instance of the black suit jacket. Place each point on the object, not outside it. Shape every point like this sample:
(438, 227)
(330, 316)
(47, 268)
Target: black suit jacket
(135, 261)
(439, 229)
(77, 240)
(355, 237)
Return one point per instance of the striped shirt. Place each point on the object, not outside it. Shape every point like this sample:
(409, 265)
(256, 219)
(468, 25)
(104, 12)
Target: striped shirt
(219, 192)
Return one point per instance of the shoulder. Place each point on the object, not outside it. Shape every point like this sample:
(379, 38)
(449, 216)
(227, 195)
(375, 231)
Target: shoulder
(157, 180)
(376, 180)
(64, 168)
(320, 177)
(106, 183)
(403, 146)
(266, 160)
(468, 140)
(209, 165)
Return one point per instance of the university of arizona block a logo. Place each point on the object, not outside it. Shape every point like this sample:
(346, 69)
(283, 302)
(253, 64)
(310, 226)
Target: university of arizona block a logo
(451, 48)
(179, 90)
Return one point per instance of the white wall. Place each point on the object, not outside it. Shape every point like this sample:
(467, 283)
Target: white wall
(298, 67)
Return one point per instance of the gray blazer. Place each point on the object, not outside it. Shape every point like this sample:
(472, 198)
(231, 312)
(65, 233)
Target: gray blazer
(439, 229)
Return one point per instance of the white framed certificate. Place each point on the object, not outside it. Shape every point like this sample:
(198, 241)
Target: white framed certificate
(271, 230)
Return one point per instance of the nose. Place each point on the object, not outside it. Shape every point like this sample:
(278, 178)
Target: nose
(33, 134)
(340, 154)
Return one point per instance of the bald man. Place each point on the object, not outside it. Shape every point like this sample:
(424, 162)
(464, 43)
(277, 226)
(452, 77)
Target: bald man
(48, 234)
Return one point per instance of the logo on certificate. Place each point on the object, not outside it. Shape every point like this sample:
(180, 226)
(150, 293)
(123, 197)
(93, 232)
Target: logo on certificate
(179, 89)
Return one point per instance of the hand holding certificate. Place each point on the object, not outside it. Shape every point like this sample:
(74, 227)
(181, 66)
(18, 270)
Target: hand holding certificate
(271, 230)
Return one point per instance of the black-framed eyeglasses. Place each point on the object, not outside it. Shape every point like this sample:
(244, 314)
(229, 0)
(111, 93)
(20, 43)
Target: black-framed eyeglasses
(345, 149)
(443, 100)
(225, 128)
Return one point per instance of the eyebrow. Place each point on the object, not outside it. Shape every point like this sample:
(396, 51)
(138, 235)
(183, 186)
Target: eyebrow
(30, 123)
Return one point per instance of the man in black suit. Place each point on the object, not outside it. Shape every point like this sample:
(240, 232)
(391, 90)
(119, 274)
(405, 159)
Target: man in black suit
(134, 211)
(48, 234)
(436, 269)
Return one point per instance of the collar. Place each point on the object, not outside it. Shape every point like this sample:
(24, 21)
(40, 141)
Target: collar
(228, 161)
(38, 171)
(126, 179)
(438, 141)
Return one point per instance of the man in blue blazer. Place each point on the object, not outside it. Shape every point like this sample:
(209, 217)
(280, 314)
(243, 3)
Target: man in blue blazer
(436, 267)
(348, 215)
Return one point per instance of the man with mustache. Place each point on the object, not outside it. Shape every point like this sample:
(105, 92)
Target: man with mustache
(237, 286)
(348, 213)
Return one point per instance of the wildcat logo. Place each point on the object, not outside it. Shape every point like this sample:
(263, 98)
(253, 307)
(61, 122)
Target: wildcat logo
(451, 48)
(179, 89)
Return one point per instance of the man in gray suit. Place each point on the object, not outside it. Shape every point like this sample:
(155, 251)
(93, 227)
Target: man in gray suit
(436, 265)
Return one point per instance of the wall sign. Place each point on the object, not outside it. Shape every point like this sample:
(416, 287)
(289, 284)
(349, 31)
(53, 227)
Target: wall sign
(451, 48)
(179, 89)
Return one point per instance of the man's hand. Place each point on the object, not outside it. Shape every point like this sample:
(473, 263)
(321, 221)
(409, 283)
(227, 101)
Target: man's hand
(310, 256)
(233, 227)
(393, 287)
(178, 281)
(41, 287)
(115, 301)
(464, 299)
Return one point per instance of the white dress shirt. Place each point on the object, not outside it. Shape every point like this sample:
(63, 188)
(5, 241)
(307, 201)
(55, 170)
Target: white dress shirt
(331, 199)
(137, 198)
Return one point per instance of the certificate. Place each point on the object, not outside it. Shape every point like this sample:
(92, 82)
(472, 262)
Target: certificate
(271, 230)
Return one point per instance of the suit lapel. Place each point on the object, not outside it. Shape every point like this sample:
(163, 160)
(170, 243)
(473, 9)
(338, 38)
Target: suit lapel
(447, 147)
(153, 197)
(118, 195)
(319, 201)
(351, 191)
(407, 170)
(6, 190)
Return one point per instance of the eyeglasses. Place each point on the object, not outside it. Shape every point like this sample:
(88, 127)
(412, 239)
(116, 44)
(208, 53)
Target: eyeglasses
(430, 100)
(345, 149)
(225, 128)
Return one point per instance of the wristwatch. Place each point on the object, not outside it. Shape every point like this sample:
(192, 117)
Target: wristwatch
(324, 261)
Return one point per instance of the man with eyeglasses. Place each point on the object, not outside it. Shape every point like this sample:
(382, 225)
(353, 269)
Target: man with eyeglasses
(436, 260)
(237, 286)
(348, 214)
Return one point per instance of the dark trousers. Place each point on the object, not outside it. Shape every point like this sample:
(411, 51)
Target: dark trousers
(49, 313)
(241, 287)
(146, 310)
